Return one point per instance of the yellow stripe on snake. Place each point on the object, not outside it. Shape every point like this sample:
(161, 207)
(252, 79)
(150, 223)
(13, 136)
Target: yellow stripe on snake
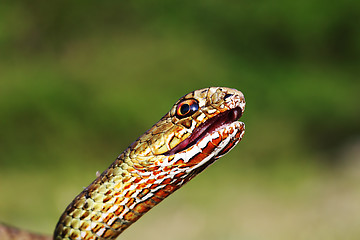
(201, 127)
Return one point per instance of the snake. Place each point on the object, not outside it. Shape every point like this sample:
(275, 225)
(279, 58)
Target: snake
(201, 127)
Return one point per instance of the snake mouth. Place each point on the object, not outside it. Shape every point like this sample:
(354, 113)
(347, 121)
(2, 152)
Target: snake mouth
(208, 127)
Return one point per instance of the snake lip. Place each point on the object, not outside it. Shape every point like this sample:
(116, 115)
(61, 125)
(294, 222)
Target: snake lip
(207, 127)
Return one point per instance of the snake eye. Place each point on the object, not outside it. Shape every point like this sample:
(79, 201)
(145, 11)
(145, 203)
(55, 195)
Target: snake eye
(187, 108)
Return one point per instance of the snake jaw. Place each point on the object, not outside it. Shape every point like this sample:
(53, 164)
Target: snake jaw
(210, 147)
(208, 127)
(240, 128)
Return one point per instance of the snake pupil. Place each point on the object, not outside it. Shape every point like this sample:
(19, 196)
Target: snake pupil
(184, 109)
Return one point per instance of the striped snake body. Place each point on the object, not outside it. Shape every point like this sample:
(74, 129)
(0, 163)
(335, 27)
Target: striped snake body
(201, 127)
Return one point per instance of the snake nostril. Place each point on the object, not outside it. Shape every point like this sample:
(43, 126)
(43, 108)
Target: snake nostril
(227, 96)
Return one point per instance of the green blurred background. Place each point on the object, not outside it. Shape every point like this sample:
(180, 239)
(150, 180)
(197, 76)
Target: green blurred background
(81, 80)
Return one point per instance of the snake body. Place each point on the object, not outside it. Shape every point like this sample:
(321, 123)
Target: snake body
(201, 127)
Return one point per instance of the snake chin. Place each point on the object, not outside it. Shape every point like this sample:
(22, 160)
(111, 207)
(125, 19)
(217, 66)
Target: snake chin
(208, 127)
(239, 128)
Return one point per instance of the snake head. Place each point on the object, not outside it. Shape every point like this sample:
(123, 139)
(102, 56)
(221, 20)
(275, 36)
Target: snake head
(202, 125)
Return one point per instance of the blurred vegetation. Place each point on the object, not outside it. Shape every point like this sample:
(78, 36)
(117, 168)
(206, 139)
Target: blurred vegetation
(81, 80)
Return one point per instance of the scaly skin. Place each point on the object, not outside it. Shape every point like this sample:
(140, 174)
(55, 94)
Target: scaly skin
(12, 233)
(158, 163)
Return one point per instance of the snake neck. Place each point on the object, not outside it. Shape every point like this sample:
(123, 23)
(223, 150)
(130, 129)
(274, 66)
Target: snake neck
(120, 196)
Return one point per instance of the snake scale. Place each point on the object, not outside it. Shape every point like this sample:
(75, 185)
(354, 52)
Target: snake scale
(201, 127)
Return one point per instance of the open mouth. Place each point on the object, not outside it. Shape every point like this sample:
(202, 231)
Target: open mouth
(208, 127)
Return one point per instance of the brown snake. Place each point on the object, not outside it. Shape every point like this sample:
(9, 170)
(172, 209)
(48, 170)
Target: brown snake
(201, 127)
